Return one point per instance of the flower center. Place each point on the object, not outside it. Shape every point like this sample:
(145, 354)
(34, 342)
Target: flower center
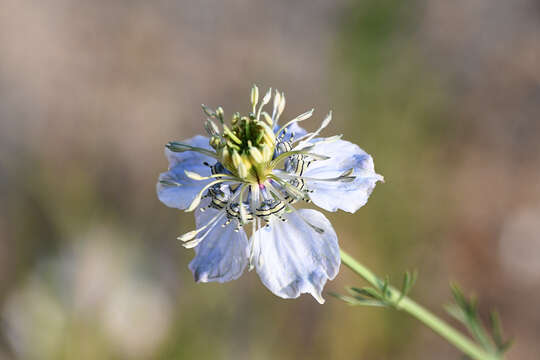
(246, 148)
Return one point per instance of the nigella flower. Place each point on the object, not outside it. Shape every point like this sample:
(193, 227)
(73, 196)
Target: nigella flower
(249, 175)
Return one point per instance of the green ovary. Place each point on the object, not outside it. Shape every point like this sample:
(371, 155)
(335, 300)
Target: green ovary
(246, 148)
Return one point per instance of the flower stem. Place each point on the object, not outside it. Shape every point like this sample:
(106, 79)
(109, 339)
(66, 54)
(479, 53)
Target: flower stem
(429, 319)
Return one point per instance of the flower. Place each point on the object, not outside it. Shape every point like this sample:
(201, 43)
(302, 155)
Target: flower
(252, 172)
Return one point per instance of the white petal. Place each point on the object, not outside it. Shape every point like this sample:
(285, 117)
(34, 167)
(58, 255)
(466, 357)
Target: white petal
(223, 254)
(348, 196)
(292, 258)
(182, 194)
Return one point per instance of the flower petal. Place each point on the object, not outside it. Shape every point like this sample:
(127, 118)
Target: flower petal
(333, 195)
(295, 129)
(174, 188)
(223, 254)
(292, 258)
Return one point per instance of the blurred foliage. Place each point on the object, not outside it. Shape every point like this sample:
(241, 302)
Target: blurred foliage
(396, 111)
(92, 91)
(397, 108)
(465, 310)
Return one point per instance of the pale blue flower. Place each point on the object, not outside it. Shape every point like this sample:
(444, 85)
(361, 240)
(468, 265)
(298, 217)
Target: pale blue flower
(252, 172)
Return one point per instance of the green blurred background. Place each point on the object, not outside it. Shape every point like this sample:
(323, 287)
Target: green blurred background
(444, 94)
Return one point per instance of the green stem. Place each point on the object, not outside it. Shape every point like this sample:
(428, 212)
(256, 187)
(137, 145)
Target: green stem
(429, 319)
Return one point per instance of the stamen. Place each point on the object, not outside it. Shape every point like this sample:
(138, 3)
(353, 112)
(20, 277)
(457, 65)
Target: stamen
(265, 101)
(254, 97)
(232, 145)
(277, 101)
(169, 183)
(304, 151)
(242, 170)
(256, 154)
(196, 241)
(259, 138)
(256, 223)
(219, 114)
(344, 177)
(211, 128)
(268, 131)
(281, 106)
(317, 156)
(267, 96)
(236, 159)
(208, 111)
(276, 193)
(179, 147)
(266, 151)
(320, 141)
(242, 208)
(324, 124)
(194, 176)
(299, 118)
(267, 118)
(298, 194)
(191, 234)
(259, 259)
(230, 134)
(254, 199)
(264, 193)
(197, 199)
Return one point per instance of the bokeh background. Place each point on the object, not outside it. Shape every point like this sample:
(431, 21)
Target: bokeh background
(444, 94)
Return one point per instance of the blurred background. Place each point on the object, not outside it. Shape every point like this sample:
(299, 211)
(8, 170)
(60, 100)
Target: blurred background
(444, 94)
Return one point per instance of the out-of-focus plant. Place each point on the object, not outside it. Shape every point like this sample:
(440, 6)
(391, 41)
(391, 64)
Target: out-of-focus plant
(83, 303)
(484, 345)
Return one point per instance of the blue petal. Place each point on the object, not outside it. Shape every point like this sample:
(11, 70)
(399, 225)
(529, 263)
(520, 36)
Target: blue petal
(223, 254)
(181, 195)
(295, 129)
(292, 258)
(347, 196)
